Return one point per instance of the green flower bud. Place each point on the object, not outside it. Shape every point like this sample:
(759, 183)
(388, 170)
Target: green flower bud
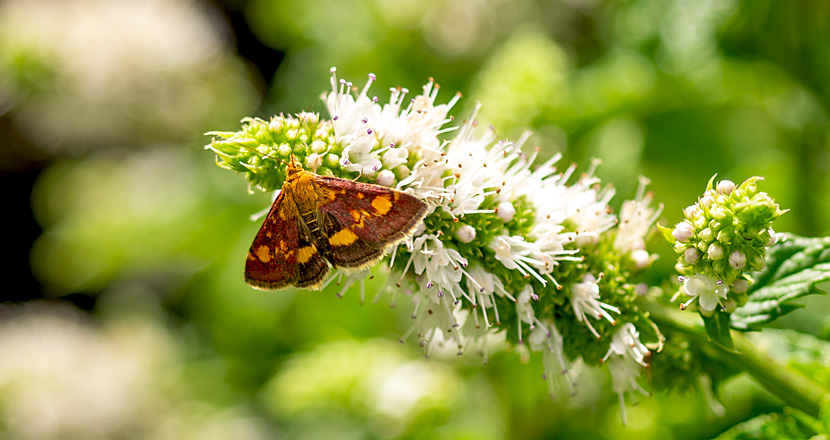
(726, 234)
(261, 149)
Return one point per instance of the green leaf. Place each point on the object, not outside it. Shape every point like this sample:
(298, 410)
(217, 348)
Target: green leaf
(794, 266)
(717, 327)
(768, 427)
(667, 234)
(711, 183)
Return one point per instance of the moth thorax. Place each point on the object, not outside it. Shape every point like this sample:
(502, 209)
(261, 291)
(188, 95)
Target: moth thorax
(303, 192)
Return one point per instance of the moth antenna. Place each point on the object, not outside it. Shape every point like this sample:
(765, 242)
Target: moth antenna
(258, 153)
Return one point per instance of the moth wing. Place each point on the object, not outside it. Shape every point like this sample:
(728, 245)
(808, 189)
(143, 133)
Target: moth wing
(282, 254)
(345, 248)
(312, 267)
(362, 220)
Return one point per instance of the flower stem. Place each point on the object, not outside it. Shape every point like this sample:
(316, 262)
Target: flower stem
(791, 387)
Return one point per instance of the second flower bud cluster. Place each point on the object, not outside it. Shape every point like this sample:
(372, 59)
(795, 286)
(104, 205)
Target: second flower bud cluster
(723, 237)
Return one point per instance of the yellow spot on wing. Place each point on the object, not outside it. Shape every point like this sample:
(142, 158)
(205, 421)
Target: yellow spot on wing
(355, 215)
(382, 204)
(360, 195)
(305, 254)
(263, 254)
(342, 238)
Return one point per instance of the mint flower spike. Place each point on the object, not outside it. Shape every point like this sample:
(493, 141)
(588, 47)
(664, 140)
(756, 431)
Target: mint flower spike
(723, 237)
(511, 247)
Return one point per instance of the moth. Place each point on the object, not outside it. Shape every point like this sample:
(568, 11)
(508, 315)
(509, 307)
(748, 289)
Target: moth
(318, 223)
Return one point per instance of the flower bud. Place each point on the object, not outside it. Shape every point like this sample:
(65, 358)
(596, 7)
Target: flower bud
(386, 178)
(691, 211)
(726, 186)
(718, 212)
(318, 146)
(758, 263)
(715, 251)
(332, 160)
(740, 285)
(465, 234)
(506, 211)
(730, 305)
(737, 260)
(683, 231)
(691, 255)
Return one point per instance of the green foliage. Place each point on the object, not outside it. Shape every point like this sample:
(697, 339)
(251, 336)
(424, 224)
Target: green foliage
(769, 427)
(794, 266)
(717, 327)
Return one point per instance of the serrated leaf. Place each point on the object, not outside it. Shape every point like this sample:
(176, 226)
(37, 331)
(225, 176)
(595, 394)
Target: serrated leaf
(768, 427)
(717, 327)
(794, 266)
(803, 352)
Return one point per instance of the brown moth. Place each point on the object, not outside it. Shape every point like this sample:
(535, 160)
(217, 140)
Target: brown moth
(318, 223)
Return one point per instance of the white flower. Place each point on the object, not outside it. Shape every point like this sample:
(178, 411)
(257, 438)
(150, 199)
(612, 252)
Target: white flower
(709, 291)
(524, 309)
(546, 338)
(595, 218)
(636, 219)
(625, 359)
(435, 313)
(478, 337)
(624, 374)
(555, 202)
(585, 302)
(773, 238)
(376, 137)
(478, 168)
(517, 254)
(437, 264)
(482, 286)
(626, 342)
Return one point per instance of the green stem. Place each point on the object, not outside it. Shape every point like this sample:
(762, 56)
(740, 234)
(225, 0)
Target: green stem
(790, 386)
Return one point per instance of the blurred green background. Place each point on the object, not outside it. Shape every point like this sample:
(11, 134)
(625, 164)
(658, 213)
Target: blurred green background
(124, 313)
